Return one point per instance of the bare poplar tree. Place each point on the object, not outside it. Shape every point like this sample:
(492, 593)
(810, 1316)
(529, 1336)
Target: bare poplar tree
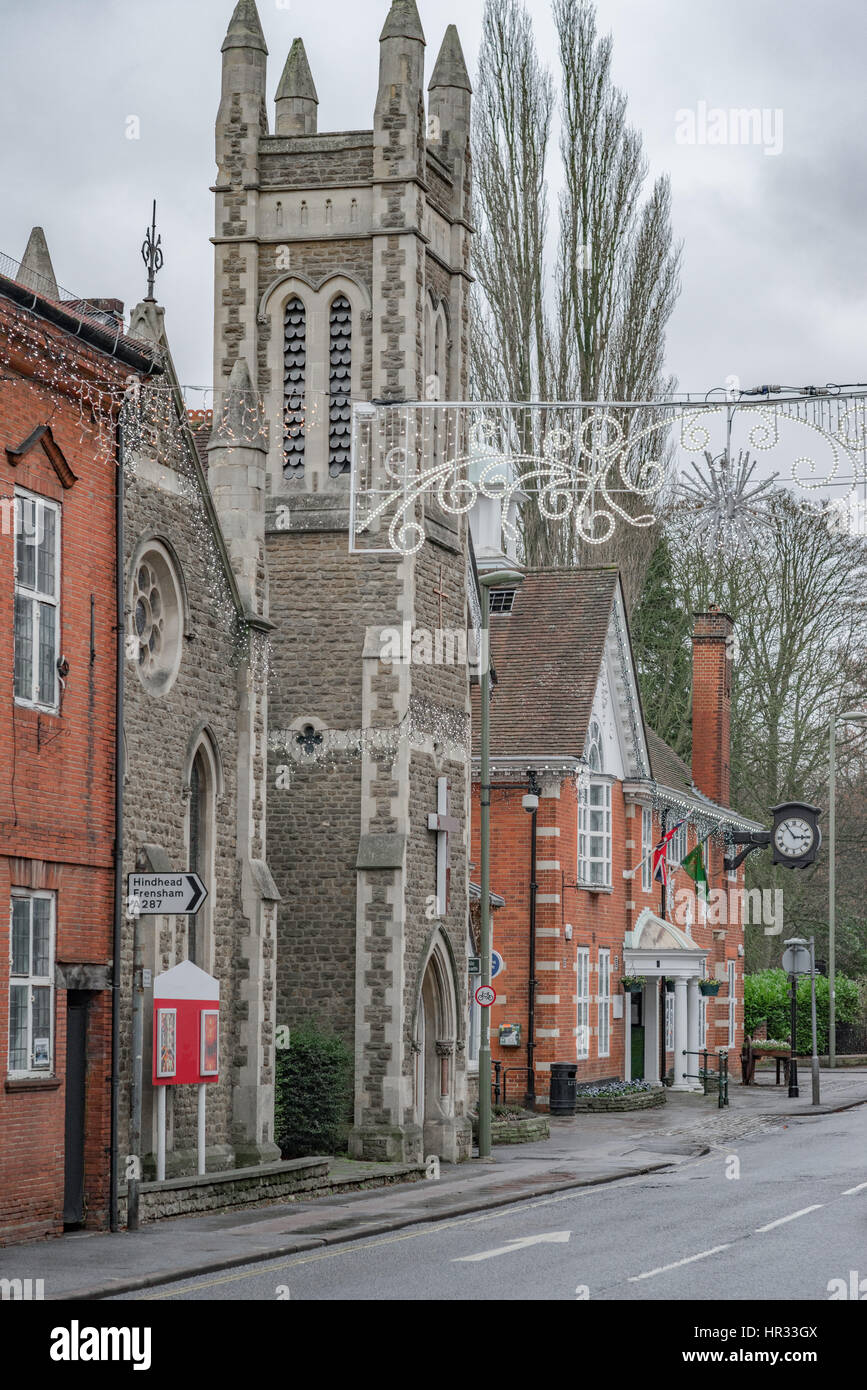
(513, 107)
(596, 328)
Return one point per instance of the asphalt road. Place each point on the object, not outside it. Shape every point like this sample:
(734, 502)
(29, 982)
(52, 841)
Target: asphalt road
(778, 1216)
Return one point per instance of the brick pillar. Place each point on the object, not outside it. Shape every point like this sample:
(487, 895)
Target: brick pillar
(712, 704)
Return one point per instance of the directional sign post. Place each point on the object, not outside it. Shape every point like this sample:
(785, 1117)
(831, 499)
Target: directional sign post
(149, 895)
(160, 895)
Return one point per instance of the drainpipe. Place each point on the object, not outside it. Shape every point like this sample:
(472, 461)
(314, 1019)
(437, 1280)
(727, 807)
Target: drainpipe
(531, 803)
(530, 1100)
(117, 934)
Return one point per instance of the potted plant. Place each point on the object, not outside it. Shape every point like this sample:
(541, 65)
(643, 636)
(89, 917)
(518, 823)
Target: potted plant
(708, 986)
(632, 984)
(669, 985)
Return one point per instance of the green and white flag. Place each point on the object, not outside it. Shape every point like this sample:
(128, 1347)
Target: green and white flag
(694, 866)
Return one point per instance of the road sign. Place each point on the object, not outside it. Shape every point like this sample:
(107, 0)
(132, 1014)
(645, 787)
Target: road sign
(474, 964)
(155, 895)
(485, 996)
(497, 964)
(796, 960)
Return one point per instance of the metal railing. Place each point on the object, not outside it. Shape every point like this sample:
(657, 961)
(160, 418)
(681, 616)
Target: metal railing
(500, 1083)
(705, 1074)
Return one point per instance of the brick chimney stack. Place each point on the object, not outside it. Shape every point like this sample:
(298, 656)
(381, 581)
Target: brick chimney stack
(712, 704)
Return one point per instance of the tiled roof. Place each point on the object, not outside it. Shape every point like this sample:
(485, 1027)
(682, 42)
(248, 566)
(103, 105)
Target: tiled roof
(667, 767)
(547, 654)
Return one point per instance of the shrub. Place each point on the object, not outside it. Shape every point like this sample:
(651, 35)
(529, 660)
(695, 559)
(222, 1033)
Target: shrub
(766, 997)
(312, 1092)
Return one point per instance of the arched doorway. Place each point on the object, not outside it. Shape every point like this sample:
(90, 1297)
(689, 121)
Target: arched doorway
(436, 1046)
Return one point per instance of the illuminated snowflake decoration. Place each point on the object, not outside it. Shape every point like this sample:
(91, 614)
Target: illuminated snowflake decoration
(725, 510)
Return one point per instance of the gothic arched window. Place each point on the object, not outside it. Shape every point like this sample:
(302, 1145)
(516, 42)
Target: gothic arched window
(340, 380)
(294, 398)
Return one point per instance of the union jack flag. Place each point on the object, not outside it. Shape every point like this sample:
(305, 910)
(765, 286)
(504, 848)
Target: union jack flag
(660, 859)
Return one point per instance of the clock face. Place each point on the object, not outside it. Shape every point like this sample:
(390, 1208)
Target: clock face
(794, 837)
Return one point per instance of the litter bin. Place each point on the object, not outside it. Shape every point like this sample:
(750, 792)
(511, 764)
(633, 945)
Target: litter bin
(563, 1084)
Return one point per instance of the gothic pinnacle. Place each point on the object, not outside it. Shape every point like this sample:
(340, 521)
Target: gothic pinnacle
(37, 272)
(450, 69)
(403, 22)
(245, 28)
(297, 80)
(240, 420)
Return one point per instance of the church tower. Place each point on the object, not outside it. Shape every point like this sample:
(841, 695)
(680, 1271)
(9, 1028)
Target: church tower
(342, 276)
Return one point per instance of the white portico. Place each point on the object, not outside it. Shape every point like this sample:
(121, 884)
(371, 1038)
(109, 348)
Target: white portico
(658, 950)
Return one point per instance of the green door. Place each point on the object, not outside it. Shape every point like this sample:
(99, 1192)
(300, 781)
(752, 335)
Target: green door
(637, 1051)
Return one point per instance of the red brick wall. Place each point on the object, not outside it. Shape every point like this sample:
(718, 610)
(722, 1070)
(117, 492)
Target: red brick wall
(598, 919)
(57, 770)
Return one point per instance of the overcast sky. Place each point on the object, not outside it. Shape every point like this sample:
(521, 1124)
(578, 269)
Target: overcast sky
(773, 281)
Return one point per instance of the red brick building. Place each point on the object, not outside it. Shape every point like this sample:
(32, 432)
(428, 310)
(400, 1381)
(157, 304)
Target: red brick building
(581, 907)
(63, 369)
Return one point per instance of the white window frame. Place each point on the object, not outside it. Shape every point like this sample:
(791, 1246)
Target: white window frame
(678, 842)
(582, 1003)
(647, 849)
(669, 1022)
(603, 1046)
(732, 969)
(586, 859)
(31, 981)
(37, 597)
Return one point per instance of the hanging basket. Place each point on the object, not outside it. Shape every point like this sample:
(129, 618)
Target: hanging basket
(669, 986)
(633, 984)
(708, 986)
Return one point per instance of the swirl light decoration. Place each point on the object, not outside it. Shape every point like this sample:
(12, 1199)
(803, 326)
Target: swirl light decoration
(591, 467)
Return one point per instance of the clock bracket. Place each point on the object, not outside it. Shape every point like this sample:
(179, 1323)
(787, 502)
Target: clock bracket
(752, 840)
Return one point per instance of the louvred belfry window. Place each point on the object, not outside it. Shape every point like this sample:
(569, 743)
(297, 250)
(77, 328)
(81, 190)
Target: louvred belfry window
(294, 400)
(340, 408)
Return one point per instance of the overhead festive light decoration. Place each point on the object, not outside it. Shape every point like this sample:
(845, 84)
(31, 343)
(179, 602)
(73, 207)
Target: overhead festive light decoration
(724, 511)
(587, 466)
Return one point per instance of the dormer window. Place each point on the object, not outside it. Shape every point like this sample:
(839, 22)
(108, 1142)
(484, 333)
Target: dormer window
(502, 600)
(594, 817)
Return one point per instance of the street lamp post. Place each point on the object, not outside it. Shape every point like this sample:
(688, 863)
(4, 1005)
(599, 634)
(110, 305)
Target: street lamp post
(852, 717)
(496, 579)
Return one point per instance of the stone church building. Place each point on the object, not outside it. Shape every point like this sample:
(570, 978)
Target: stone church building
(341, 276)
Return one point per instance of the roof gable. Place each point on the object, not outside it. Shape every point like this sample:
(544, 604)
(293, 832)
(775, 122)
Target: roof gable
(549, 652)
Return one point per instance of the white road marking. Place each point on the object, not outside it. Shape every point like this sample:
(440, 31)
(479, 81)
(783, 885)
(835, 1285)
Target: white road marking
(520, 1243)
(690, 1259)
(783, 1219)
(850, 1190)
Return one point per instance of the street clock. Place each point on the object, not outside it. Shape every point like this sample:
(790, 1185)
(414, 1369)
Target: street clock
(795, 836)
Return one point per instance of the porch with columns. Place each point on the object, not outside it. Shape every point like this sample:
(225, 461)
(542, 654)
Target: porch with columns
(658, 950)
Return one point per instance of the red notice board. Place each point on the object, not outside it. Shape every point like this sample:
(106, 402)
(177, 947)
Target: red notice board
(186, 1038)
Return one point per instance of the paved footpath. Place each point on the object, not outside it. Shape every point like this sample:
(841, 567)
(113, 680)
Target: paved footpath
(583, 1151)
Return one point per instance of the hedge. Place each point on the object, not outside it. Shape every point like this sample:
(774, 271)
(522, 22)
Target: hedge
(312, 1093)
(766, 999)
